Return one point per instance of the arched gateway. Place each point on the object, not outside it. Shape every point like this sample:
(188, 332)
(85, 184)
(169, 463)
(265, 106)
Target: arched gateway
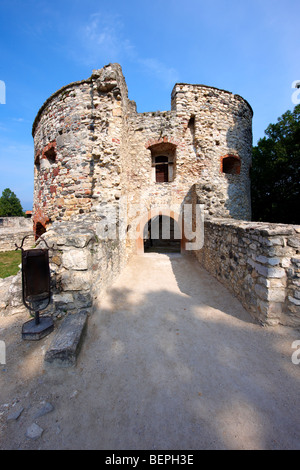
(160, 230)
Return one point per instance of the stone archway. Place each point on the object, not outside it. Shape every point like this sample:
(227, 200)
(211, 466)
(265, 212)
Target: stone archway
(159, 214)
(162, 235)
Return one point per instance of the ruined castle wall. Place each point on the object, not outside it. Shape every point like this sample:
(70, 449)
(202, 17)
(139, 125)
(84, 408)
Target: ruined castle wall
(92, 148)
(77, 193)
(259, 263)
(78, 136)
(82, 263)
(62, 175)
(222, 127)
(12, 232)
(93, 152)
(204, 126)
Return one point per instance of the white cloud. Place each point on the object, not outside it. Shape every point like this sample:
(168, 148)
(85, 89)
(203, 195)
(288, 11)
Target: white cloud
(168, 75)
(102, 36)
(99, 41)
(103, 40)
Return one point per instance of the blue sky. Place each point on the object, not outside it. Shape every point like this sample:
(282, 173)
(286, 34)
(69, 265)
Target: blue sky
(250, 48)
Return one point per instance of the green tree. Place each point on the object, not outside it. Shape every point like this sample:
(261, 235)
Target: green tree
(10, 205)
(275, 173)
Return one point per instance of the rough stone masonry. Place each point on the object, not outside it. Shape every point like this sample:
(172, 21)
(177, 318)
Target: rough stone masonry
(102, 171)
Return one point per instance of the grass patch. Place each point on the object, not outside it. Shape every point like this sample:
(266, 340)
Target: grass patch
(9, 263)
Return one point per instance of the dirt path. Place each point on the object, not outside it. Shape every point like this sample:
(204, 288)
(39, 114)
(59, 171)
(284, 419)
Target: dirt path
(171, 361)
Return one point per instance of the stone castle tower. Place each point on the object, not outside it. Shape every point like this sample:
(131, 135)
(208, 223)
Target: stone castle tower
(93, 148)
(104, 173)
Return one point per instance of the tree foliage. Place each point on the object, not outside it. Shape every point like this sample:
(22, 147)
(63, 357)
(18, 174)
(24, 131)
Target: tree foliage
(10, 205)
(275, 173)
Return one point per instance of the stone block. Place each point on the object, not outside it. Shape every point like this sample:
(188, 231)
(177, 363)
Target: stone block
(294, 242)
(262, 270)
(276, 272)
(271, 295)
(76, 259)
(83, 300)
(34, 431)
(76, 280)
(297, 294)
(293, 300)
(285, 262)
(65, 347)
(64, 300)
(276, 295)
(261, 291)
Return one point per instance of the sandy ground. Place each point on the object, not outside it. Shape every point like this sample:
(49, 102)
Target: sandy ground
(170, 361)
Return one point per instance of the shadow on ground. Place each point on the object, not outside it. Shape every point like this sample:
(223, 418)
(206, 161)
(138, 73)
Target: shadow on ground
(171, 361)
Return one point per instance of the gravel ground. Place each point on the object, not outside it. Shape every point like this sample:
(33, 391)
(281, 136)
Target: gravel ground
(171, 360)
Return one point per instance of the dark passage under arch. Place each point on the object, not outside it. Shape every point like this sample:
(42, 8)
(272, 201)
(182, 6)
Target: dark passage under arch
(39, 230)
(162, 235)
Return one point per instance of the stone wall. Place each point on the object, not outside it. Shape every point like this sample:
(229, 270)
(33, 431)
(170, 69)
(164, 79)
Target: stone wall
(95, 153)
(92, 147)
(259, 263)
(12, 232)
(222, 127)
(82, 263)
(11, 301)
(77, 137)
(8, 241)
(16, 223)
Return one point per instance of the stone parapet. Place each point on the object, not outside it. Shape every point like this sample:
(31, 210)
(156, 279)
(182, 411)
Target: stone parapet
(9, 241)
(82, 264)
(259, 263)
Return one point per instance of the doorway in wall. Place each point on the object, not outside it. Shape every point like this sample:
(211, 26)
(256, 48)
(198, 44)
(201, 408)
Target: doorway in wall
(162, 235)
(39, 230)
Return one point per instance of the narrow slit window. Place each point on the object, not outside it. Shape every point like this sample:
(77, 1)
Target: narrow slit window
(37, 162)
(191, 124)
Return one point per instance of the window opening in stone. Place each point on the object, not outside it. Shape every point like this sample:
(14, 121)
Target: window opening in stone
(231, 165)
(161, 172)
(51, 155)
(161, 159)
(37, 162)
(162, 235)
(163, 162)
(161, 169)
(191, 124)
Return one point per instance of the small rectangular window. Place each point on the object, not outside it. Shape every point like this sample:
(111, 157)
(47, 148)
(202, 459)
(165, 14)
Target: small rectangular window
(162, 173)
(231, 165)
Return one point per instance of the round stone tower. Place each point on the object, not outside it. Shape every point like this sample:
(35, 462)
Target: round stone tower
(92, 148)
